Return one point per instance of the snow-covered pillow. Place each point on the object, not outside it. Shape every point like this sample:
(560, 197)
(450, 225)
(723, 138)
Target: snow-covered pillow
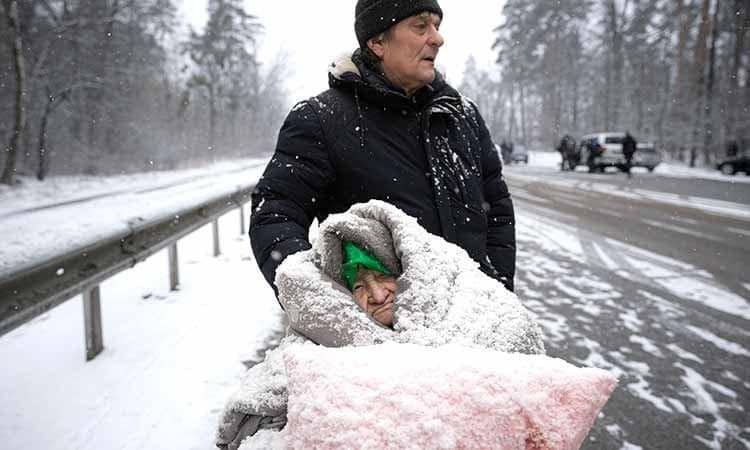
(409, 396)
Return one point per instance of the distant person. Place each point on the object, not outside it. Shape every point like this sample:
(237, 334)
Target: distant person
(561, 150)
(733, 149)
(591, 152)
(628, 150)
(389, 128)
(506, 149)
(566, 148)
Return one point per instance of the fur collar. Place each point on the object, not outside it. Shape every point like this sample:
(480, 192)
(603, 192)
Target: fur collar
(343, 67)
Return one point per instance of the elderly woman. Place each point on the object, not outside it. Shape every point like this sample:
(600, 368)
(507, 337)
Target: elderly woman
(375, 275)
(372, 284)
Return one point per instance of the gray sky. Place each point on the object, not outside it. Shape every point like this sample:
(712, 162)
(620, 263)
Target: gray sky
(314, 32)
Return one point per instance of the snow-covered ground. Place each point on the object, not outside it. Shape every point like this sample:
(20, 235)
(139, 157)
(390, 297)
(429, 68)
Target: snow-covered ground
(41, 220)
(172, 358)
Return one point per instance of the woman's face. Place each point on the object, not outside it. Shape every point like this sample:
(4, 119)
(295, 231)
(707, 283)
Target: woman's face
(375, 292)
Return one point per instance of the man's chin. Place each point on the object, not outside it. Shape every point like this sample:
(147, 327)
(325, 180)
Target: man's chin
(429, 77)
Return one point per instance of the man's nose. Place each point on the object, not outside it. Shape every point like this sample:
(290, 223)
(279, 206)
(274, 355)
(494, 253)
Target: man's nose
(436, 39)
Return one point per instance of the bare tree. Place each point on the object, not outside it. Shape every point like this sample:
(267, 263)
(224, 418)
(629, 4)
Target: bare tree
(709, 90)
(675, 71)
(10, 7)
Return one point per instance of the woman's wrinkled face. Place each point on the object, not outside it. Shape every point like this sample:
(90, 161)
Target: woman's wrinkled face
(375, 292)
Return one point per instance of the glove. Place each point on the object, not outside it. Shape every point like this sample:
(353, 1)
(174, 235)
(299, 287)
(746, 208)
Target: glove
(237, 426)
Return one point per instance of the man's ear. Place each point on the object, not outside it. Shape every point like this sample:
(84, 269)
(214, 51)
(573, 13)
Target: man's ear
(377, 45)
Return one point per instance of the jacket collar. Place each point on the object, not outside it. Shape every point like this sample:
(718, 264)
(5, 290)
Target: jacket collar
(350, 71)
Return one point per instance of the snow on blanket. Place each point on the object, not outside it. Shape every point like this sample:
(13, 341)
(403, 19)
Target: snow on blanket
(408, 396)
(442, 297)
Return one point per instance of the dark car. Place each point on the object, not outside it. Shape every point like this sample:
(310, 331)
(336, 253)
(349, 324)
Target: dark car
(731, 166)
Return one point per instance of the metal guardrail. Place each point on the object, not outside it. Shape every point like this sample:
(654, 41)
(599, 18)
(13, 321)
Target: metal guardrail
(30, 293)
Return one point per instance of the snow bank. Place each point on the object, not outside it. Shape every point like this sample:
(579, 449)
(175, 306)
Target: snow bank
(410, 396)
(42, 221)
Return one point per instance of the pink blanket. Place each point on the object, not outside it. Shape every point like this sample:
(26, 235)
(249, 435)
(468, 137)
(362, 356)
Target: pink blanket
(409, 396)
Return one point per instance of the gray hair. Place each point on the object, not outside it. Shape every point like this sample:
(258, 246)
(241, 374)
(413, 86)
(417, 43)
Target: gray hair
(369, 56)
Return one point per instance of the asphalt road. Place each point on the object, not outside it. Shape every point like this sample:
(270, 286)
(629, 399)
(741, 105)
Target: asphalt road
(659, 293)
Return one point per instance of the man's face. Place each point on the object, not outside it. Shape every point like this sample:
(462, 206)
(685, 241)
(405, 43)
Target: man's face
(408, 52)
(375, 292)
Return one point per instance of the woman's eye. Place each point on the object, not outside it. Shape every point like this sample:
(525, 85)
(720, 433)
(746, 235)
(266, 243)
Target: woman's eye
(358, 286)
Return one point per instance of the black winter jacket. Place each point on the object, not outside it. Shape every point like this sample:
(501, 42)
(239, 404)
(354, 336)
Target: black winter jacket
(430, 155)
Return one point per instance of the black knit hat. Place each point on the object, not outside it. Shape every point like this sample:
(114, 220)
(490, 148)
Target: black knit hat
(372, 17)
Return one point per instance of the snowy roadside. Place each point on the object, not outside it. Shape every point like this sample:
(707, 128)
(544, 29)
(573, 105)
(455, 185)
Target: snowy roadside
(171, 359)
(42, 220)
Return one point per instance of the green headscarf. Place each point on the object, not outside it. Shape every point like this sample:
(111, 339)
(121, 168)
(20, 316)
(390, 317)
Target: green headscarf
(356, 257)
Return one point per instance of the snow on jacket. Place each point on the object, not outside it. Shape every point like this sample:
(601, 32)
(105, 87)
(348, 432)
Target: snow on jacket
(442, 297)
(431, 155)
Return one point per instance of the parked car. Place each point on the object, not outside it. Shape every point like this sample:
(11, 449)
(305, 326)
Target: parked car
(520, 154)
(731, 166)
(646, 156)
(600, 150)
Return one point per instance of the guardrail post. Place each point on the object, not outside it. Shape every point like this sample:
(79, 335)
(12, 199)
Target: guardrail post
(174, 268)
(215, 226)
(92, 322)
(242, 219)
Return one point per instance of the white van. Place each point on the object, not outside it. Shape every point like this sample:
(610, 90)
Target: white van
(600, 150)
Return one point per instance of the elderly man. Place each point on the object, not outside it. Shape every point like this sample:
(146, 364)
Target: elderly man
(389, 128)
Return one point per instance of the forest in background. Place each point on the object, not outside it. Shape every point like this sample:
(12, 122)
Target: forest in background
(674, 72)
(112, 86)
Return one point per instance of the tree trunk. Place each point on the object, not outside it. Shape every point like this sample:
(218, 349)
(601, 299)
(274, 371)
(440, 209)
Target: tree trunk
(11, 13)
(512, 115)
(735, 98)
(617, 67)
(211, 121)
(679, 115)
(575, 105)
(701, 53)
(708, 94)
(53, 101)
(639, 120)
(523, 115)
(78, 100)
(666, 89)
(43, 163)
